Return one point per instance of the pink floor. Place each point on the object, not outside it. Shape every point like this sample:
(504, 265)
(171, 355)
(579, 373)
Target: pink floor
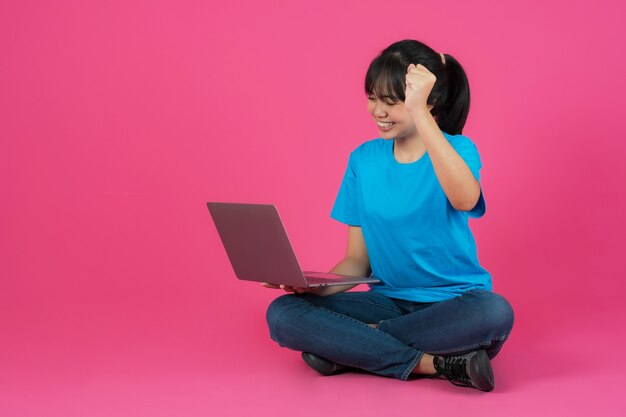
(186, 359)
(120, 119)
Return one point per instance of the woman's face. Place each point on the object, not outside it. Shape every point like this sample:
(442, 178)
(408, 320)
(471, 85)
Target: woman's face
(392, 118)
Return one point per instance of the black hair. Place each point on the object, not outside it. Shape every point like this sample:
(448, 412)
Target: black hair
(450, 96)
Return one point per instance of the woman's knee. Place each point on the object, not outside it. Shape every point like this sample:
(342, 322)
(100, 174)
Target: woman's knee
(281, 310)
(497, 312)
(502, 313)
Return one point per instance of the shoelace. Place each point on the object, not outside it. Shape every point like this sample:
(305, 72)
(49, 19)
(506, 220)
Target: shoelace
(455, 369)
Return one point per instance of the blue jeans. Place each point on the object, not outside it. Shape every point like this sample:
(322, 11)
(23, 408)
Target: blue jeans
(335, 327)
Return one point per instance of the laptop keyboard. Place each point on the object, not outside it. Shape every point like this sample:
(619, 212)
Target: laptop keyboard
(329, 277)
(321, 280)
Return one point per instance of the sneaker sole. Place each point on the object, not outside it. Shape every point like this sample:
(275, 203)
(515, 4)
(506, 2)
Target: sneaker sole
(480, 371)
(321, 365)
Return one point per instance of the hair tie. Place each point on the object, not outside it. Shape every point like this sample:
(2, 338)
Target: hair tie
(443, 58)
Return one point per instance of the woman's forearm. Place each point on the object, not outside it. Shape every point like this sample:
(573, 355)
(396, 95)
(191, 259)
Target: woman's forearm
(347, 266)
(352, 266)
(455, 177)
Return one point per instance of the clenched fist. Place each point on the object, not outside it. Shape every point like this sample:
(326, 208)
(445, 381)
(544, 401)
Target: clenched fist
(419, 84)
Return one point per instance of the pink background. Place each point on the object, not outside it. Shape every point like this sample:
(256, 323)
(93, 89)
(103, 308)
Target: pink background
(120, 119)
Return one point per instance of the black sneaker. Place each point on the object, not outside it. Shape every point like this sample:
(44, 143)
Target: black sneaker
(323, 365)
(469, 370)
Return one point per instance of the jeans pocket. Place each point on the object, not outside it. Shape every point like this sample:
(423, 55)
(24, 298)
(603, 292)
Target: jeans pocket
(469, 291)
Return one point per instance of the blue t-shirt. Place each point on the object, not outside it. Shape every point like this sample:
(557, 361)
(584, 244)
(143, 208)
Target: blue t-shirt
(419, 246)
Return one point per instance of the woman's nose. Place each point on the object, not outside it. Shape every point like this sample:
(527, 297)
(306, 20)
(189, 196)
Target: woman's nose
(380, 110)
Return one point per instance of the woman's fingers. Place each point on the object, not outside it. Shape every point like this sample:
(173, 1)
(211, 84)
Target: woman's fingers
(287, 288)
(297, 290)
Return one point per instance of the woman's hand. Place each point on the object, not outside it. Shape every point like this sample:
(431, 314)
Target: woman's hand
(288, 288)
(419, 84)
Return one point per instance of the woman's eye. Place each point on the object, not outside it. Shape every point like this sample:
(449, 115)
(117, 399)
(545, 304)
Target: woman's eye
(387, 102)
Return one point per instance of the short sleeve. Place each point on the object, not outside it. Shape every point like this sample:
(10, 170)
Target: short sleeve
(345, 209)
(469, 153)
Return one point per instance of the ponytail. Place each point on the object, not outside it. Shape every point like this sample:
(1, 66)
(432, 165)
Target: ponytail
(452, 111)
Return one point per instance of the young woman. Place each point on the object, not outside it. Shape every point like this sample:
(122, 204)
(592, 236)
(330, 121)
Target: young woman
(406, 198)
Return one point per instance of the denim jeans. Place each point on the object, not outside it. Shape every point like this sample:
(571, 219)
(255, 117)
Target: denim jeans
(336, 328)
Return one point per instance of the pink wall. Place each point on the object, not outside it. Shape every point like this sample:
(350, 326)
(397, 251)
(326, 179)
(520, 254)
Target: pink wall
(120, 119)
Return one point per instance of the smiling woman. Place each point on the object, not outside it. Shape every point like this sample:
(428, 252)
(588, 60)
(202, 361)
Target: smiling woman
(408, 194)
(449, 100)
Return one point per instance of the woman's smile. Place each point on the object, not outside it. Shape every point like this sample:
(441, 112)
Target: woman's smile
(385, 126)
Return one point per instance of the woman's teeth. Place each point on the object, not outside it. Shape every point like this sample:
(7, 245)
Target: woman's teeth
(385, 125)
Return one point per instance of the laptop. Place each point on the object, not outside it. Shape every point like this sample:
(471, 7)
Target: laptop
(258, 248)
